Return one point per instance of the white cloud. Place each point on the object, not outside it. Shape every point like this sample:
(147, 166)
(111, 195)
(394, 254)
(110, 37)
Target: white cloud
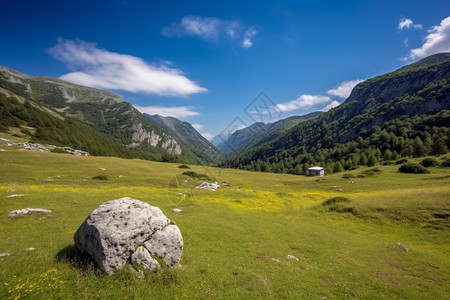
(249, 34)
(408, 23)
(208, 136)
(207, 28)
(406, 42)
(437, 40)
(197, 127)
(100, 68)
(304, 101)
(211, 29)
(333, 104)
(176, 111)
(344, 89)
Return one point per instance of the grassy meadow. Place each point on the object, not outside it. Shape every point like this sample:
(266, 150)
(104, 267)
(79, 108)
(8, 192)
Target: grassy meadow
(389, 237)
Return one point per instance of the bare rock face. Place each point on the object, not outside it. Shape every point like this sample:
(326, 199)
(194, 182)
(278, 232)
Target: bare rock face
(128, 229)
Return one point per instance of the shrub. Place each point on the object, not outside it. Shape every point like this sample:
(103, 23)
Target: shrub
(413, 168)
(446, 163)
(197, 175)
(183, 167)
(401, 161)
(348, 175)
(336, 200)
(372, 171)
(429, 162)
(100, 177)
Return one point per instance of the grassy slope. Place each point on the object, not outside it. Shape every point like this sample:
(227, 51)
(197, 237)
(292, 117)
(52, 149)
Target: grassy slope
(230, 235)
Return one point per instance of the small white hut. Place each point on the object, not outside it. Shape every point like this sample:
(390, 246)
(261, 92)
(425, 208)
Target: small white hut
(316, 171)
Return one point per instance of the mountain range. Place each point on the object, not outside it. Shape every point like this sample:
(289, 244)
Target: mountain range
(258, 133)
(100, 113)
(402, 113)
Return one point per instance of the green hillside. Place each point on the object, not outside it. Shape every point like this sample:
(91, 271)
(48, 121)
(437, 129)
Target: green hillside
(405, 113)
(105, 113)
(384, 236)
(258, 133)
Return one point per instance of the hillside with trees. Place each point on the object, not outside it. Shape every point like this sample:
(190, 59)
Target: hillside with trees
(405, 113)
(60, 111)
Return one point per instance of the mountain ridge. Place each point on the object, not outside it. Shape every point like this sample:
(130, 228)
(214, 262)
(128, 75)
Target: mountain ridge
(259, 133)
(103, 111)
(401, 113)
(189, 136)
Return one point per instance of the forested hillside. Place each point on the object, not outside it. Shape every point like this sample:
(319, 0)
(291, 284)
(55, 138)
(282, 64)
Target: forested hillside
(401, 114)
(259, 133)
(100, 115)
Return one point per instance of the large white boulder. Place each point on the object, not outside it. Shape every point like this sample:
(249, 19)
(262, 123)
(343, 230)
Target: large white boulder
(127, 229)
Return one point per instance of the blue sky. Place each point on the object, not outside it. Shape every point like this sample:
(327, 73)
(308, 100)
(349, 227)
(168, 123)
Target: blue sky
(207, 62)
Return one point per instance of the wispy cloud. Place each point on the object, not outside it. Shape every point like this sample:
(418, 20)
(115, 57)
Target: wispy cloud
(205, 28)
(304, 101)
(408, 23)
(211, 29)
(206, 135)
(100, 68)
(437, 40)
(176, 111)
(197, 127)
(333, 104)
(344, 89)
(249, 34)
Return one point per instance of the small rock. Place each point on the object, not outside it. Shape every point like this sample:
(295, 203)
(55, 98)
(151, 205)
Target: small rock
(208, 186)
(16, 195)
(276, 260)
(340, 190)
(103, 169)
(352, 182)
(143, 257)
(30, 249)
(291, 257)
(176, 210)
(120, 176)
(2, 150)
(4, 254)
(28, 211)
(402, 248)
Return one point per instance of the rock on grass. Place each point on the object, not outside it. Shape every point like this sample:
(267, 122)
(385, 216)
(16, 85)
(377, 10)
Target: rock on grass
(127, 229)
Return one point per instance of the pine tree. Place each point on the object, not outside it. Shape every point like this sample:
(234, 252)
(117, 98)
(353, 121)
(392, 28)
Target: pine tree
(439, 147)
(372, 160)
(338, 167)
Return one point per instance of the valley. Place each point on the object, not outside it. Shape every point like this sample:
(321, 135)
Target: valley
(390, 240)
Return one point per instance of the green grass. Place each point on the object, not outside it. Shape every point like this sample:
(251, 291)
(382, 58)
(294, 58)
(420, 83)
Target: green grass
(232, 234)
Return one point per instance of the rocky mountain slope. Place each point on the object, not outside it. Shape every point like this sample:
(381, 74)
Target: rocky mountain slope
(402, 113)
(102, 111)
(259, 133)
(187, 136)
